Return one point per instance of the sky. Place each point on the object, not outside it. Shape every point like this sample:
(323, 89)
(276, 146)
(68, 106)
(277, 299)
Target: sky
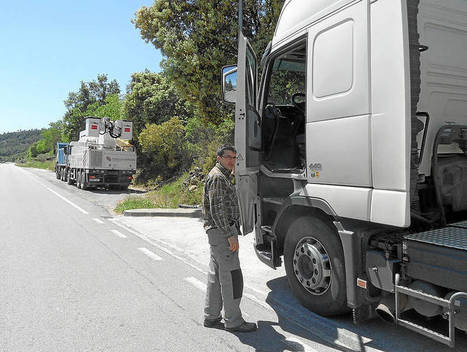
(48, 47)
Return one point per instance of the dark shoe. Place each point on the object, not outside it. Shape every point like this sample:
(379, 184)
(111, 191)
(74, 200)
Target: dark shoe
(213, 323)
(245, 327)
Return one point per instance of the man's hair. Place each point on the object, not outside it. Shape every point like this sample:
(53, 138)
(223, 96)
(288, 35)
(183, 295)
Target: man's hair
(222, 149)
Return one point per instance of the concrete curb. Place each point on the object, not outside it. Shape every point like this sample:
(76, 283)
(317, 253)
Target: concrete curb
(183, 212)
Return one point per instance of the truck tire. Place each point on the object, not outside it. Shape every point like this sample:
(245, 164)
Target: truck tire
(84, 185)
(78, 179)
(314, 263)
(68, 178)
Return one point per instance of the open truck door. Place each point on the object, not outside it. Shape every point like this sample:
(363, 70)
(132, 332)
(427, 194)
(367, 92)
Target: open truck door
(243, 81)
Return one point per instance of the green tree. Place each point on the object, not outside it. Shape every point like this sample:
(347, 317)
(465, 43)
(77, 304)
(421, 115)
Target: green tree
(32, 151)
(49, 139)
(77, 103)
(165, 148)
(112, 107)
(152, 98)
(198, 37)
(15, 145)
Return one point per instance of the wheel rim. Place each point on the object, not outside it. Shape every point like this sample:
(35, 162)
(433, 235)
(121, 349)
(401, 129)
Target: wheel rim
(312, 266)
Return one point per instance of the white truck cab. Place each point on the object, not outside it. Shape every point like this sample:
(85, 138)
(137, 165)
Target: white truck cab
(352, 155)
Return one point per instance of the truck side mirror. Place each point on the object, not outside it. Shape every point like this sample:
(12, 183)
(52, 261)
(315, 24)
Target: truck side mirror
(229, 83)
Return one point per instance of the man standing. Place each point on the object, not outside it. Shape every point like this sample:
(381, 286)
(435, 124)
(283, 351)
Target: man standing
(221, 221)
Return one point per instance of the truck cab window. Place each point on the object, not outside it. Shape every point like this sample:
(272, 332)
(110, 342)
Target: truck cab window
(284, 112)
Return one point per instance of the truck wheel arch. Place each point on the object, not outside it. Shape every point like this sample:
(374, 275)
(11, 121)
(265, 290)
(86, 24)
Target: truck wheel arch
(296, 207)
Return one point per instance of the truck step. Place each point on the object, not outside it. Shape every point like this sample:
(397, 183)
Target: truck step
(448, 305)
(426, 332)
(267, 252)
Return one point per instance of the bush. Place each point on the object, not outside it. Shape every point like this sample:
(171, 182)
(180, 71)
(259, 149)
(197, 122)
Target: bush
(165, 148)
(187, 189)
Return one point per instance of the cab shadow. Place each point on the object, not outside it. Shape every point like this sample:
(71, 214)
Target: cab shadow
(268, 339)
(375, 333)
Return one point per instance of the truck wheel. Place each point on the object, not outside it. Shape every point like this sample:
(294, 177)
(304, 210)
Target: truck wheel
(84, 185)
(78, 179)
(68, 178)
(314, 263)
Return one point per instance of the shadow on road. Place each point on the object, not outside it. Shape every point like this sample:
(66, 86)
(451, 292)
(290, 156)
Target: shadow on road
(298, 320)
(267, 339)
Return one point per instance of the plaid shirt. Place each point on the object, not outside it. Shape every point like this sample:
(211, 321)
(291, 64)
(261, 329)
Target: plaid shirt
(220, 202)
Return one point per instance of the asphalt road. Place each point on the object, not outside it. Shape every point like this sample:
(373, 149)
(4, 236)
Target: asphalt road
(77, 278)
(71, 280)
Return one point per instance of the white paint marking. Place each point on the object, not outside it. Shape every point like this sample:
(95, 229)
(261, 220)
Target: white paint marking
(195, 282)
(150, 254)
(66, 200)
(257, 291)
(33, 177)
(118, 233)
(99, 221)
(293, 342)
(257, 301)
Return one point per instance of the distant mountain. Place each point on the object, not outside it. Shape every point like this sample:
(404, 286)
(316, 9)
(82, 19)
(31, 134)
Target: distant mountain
(14, 145)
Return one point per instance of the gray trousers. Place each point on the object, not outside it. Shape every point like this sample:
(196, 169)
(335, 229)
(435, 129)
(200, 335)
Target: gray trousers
(225, 281)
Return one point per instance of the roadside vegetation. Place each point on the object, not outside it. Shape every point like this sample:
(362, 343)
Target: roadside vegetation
(178, 114)
(46, 164)
(14, 145)
(184, 190)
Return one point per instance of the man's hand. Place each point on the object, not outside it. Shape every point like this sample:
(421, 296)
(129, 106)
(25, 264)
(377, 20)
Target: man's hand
(233, 241)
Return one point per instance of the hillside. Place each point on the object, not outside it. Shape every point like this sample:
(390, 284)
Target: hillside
(14, 145)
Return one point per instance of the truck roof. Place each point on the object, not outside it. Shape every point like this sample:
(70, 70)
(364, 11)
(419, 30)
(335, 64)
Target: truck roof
(295, 17)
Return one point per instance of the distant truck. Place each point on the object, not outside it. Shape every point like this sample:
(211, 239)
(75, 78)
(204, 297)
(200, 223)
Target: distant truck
(61, 160)
(102, 157)
(352, 157)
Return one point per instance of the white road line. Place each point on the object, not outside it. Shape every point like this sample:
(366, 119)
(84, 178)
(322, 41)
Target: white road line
(99, 221)
(195, 282)
(150, 254)
(293, 342)
(257, 301)
(33, 177)
(186, 261)
(66, 200)
(118, 233)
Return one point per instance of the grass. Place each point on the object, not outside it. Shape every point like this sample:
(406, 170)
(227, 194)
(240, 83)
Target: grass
(168, 196)
(133, 202)
(46, 165)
